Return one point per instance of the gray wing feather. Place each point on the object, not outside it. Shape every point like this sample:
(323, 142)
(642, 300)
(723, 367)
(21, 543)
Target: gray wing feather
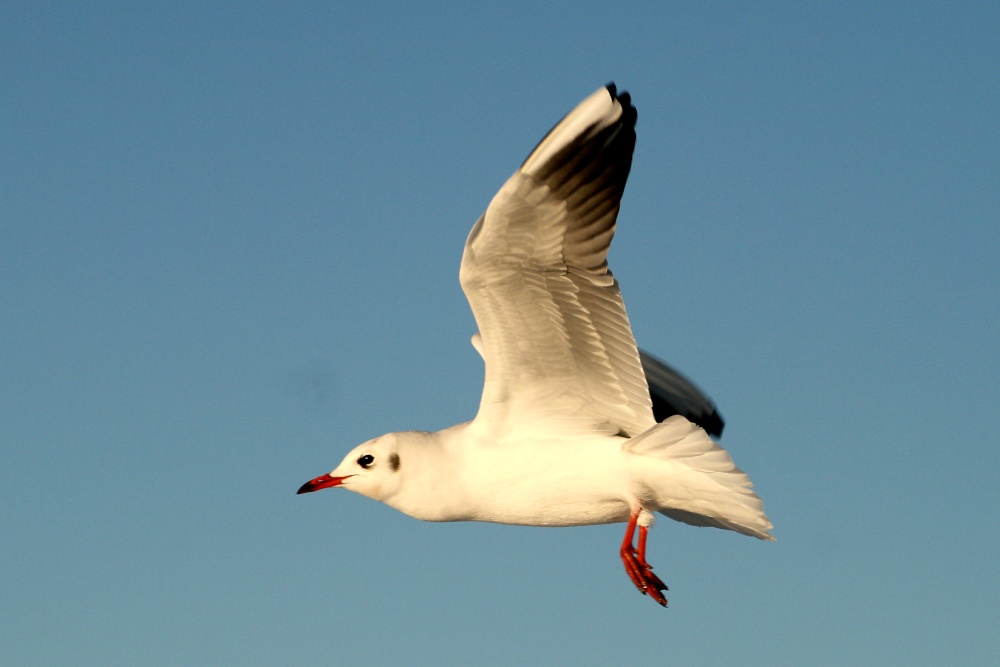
(553, 326)
(673, 394)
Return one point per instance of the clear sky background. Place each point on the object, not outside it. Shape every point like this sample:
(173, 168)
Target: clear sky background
(229, 246)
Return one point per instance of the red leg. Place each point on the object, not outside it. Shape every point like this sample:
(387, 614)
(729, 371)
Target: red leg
(638, 570)
(651, 578)
(632, 568)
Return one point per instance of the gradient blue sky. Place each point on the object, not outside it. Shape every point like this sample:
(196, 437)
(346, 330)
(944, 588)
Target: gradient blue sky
(229, 247)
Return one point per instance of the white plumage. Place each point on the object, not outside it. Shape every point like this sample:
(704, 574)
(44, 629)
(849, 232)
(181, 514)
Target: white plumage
(565, 434)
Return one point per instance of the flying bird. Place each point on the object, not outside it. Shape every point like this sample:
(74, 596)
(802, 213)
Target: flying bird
(576, 426)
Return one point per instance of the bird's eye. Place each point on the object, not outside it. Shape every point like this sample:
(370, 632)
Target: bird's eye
(366, 460)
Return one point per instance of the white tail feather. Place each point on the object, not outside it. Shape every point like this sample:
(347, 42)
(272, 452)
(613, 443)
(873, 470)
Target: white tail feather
(701, 484)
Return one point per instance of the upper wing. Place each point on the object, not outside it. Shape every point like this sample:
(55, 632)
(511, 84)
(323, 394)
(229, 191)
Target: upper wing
(555, 337)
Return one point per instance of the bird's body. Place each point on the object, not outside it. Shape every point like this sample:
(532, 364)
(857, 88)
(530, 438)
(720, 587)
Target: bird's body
(565, 434)
(543, 479)
(528, 481)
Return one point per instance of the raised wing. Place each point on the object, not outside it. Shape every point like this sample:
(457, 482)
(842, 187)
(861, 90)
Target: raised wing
(555, 338)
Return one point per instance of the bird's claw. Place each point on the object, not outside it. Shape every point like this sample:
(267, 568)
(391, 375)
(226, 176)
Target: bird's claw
(641, 574)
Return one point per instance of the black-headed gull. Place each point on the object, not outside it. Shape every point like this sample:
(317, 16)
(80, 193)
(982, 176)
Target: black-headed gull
(565, 434)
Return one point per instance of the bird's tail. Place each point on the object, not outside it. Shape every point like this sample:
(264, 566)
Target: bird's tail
(700, 485)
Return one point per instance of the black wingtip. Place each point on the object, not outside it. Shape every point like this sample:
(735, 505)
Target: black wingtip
(624, 99)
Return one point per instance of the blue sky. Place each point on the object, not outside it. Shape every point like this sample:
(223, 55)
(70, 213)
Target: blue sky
(229, 247)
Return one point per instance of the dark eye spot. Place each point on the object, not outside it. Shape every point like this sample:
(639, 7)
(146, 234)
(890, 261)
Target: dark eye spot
(366, 460)
(394, 461)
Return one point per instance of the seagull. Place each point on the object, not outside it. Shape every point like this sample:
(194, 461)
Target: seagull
(576, 426)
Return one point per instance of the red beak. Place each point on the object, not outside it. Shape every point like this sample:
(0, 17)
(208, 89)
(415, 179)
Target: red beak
(321, 482)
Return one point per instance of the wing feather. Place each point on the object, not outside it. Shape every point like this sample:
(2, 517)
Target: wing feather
(553, 326)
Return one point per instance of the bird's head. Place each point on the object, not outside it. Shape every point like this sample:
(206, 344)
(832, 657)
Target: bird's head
(371, 469)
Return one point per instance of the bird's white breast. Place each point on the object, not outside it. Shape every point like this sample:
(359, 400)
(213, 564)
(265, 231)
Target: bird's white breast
(556, 482)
